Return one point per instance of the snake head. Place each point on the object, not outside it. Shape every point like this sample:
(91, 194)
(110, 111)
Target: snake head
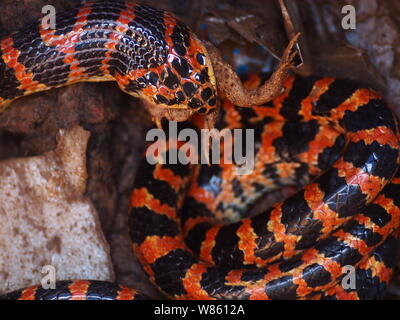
(192, 68)
(181, 77)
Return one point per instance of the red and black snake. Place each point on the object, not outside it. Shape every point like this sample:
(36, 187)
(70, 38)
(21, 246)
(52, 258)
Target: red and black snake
(336, 138)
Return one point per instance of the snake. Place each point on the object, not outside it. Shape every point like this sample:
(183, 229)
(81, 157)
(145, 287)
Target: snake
(191, 226)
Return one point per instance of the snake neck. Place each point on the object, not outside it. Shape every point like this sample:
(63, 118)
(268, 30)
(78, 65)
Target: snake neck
(148, 52)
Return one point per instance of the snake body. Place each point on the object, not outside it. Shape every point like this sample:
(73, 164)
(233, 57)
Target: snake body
(336, 138)
(148, 52)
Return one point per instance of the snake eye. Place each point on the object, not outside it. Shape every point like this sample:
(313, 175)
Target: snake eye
(201, 59)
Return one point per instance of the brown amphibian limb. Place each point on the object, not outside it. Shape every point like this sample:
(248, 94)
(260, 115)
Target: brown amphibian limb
(172, 114)
(158, 113)
(231, 88)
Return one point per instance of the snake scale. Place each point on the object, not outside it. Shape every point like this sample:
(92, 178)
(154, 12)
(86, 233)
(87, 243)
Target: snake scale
(336, 139)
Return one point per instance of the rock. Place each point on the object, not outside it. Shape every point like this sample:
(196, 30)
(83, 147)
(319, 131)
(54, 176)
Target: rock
(46, 219)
